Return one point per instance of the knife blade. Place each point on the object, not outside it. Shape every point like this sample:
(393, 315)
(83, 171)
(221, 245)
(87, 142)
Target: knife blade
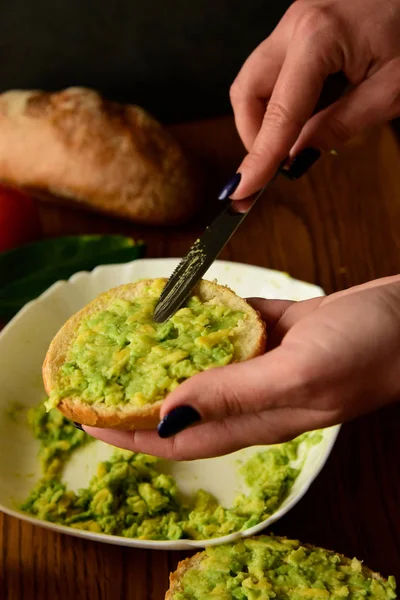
(200, 257)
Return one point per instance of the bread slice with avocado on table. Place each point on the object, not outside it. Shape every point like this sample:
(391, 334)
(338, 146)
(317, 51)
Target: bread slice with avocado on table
(267, 567)
(112, 366)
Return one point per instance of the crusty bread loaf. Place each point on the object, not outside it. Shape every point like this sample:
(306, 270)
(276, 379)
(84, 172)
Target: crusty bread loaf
(194, 561)
(75, 147)
(248, 340)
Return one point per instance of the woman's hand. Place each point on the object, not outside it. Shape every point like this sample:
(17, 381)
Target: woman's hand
(330, 359)
(275, 93)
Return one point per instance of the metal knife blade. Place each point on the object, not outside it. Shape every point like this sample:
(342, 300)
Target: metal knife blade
(200, 257)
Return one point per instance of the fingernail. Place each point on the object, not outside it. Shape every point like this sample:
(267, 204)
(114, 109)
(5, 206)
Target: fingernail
(297, 166)
(78, 426)
(178, 419)
(230, 187)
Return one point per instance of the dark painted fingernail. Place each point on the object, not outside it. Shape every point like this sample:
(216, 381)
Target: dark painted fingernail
(230, 187)
(178, 419)
(78, 426)
(297, 166)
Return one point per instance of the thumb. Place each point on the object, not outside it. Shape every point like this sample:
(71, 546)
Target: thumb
(263, 383)
(253, 386)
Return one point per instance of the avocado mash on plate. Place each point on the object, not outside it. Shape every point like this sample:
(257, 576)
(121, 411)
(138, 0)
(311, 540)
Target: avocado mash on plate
(56, 476)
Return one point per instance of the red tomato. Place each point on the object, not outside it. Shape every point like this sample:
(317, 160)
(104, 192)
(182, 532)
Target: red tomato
(19, 218)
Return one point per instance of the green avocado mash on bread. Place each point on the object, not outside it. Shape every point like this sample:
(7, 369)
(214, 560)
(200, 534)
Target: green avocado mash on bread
(266, 568)
(120, 355)
(112, 365)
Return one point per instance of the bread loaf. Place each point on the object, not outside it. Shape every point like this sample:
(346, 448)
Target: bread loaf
(77, 148)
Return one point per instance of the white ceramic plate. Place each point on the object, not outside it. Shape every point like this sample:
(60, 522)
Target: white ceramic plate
(23, 344)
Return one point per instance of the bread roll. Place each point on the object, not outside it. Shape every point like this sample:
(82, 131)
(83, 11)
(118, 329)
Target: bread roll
(77, 148)
(247, 337)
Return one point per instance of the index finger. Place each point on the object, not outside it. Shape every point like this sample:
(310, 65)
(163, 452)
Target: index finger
(292, 102)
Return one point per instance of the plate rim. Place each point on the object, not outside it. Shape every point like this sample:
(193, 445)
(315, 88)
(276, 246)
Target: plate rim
(183, 544)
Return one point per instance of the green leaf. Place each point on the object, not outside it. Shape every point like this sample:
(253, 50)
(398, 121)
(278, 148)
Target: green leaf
(28, 271)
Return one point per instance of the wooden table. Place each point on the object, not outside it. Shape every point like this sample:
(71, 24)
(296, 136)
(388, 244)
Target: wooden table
(337, 227)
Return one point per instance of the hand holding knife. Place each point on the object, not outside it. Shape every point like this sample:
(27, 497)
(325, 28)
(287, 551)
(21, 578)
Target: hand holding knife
(207, 248)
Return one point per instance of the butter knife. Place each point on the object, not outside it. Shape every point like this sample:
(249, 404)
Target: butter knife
(207, 248)
(199, 258)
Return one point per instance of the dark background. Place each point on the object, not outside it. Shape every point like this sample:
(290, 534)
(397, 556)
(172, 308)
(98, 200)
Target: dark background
(175, 58)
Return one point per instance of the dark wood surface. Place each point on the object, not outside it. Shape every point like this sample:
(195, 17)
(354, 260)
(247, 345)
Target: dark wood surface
(337, 227)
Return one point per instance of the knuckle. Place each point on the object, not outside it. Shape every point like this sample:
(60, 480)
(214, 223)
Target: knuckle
(227, 398)
(235, 91)
(278, 115)
(296, 10)
(174, 450)
(316, 20)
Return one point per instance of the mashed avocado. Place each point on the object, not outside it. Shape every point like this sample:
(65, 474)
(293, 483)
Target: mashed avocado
(130, 496)
(120, 355)
(266, 568)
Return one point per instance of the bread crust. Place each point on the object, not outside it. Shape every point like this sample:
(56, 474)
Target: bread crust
(76, 148)
(175, 578)
(249, 341)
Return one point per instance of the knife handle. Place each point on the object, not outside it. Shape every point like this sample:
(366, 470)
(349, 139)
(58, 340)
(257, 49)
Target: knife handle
(334, 87)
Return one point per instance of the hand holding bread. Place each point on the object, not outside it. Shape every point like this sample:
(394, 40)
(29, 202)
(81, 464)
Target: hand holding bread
(329, 360)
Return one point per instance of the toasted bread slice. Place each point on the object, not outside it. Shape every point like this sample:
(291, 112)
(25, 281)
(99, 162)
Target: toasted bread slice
(76, 148)
(248, 339)
(195, 561)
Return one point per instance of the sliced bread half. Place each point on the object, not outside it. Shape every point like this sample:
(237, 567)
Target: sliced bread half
(247, 339)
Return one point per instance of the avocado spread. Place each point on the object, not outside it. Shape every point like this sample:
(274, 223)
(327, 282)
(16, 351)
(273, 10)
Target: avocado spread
(131, 497)
(120, 355)
(267, 567)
